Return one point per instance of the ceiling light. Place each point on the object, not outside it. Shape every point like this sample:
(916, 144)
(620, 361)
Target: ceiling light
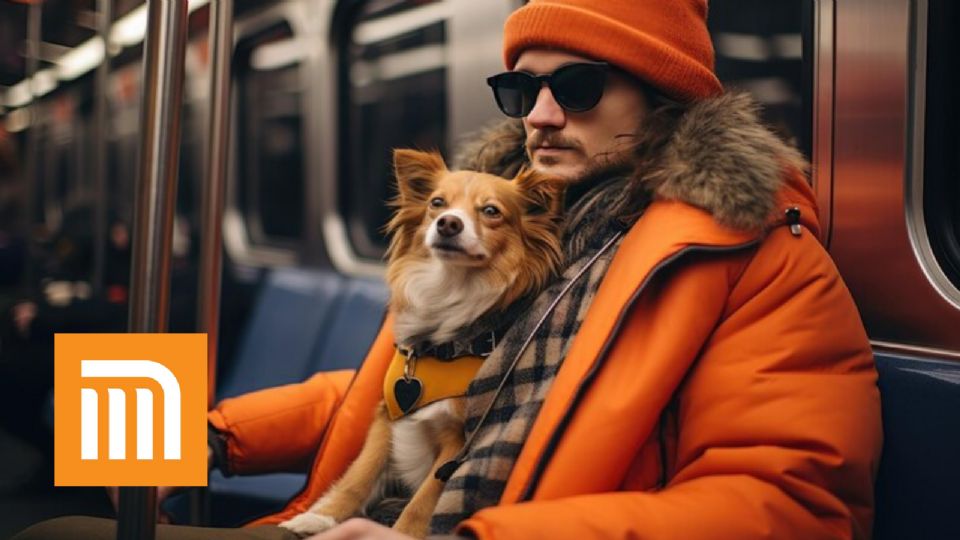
(130, 29)
(19, 94)
(18, 120)
(44, 82)
(80, 59)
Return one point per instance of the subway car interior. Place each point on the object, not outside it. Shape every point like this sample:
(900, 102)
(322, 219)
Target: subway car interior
(318, 93)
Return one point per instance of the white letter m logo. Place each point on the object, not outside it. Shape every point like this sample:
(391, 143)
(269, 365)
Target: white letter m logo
(116, 400)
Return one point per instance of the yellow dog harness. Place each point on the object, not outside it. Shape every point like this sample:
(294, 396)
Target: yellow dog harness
(413, 383)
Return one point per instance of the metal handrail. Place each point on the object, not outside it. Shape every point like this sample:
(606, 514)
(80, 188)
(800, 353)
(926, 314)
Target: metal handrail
(102, 131)
(214, 195)
(30, 195)
(214, 189)
(162, 94)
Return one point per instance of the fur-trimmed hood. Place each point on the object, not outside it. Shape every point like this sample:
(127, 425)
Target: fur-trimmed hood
(720, 158)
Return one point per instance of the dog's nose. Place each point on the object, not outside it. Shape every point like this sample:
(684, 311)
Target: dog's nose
(449, 226)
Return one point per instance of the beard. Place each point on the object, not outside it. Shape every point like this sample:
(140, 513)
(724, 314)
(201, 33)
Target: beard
(584, 165)
(617, 156)
(603, 163)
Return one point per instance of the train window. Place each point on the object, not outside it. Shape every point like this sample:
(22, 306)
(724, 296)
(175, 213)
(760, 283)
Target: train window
(392, 69)
(941, 186)
(270, 143)
(760, 48)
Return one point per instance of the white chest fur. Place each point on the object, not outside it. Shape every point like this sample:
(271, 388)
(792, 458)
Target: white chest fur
(415, 445)
(442, 300)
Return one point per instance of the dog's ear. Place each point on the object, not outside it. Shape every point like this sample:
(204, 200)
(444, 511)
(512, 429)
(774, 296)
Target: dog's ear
(544, 193)
(416, 173)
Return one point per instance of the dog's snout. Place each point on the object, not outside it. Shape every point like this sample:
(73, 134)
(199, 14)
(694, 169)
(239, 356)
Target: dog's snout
(449, 226)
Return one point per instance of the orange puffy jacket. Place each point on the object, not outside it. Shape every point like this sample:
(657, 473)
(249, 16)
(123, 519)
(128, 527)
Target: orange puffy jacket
(721, 386)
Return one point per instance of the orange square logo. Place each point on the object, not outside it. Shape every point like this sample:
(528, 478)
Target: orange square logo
(130, 409)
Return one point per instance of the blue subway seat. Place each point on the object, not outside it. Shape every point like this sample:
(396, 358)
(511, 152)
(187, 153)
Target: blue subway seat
(353, 328)
(918, 482)
(294, 308)
(303, 321)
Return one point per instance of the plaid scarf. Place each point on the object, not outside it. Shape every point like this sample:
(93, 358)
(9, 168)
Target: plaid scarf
(479, 481)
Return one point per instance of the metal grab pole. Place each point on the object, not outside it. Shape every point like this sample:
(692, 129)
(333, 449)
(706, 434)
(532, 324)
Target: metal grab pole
(214, 187)
(162, 93)
(101, 199)
(208, 305)
(32, 169)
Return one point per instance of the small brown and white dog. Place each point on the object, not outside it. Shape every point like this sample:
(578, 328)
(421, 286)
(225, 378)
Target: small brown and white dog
(465, 245)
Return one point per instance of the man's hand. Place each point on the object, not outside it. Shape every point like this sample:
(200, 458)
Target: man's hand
(162, 493)
(360, 529)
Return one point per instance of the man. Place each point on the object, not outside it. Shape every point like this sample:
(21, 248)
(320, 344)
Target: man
(698, 371)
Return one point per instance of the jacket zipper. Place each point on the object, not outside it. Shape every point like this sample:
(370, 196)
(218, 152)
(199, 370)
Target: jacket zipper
(587, 381)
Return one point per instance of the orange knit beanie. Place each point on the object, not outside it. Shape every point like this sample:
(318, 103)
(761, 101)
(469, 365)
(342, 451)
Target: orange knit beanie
(663, 42)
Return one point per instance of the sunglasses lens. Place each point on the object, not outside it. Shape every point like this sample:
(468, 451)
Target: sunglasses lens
(516, 92)
(578, 87)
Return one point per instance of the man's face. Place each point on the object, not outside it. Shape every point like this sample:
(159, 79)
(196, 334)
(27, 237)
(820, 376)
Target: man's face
(571, 144)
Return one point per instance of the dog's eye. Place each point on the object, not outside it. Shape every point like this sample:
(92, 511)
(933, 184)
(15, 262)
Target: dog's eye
(491, 211)
(437, 202)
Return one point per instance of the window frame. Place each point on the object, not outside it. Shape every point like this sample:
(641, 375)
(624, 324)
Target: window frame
(361, 243)
(935, 238)
(239, 241)
(249, 199)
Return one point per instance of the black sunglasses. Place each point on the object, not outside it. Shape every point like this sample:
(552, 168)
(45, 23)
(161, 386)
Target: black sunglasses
(576, 87)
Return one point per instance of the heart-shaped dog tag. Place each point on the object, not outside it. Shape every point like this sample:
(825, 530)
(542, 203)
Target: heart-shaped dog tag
(407, 392)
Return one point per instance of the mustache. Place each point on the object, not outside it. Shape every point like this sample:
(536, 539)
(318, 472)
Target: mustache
(551, 138)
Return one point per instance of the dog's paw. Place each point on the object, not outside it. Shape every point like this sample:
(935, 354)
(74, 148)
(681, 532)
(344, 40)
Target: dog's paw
(308, 523)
